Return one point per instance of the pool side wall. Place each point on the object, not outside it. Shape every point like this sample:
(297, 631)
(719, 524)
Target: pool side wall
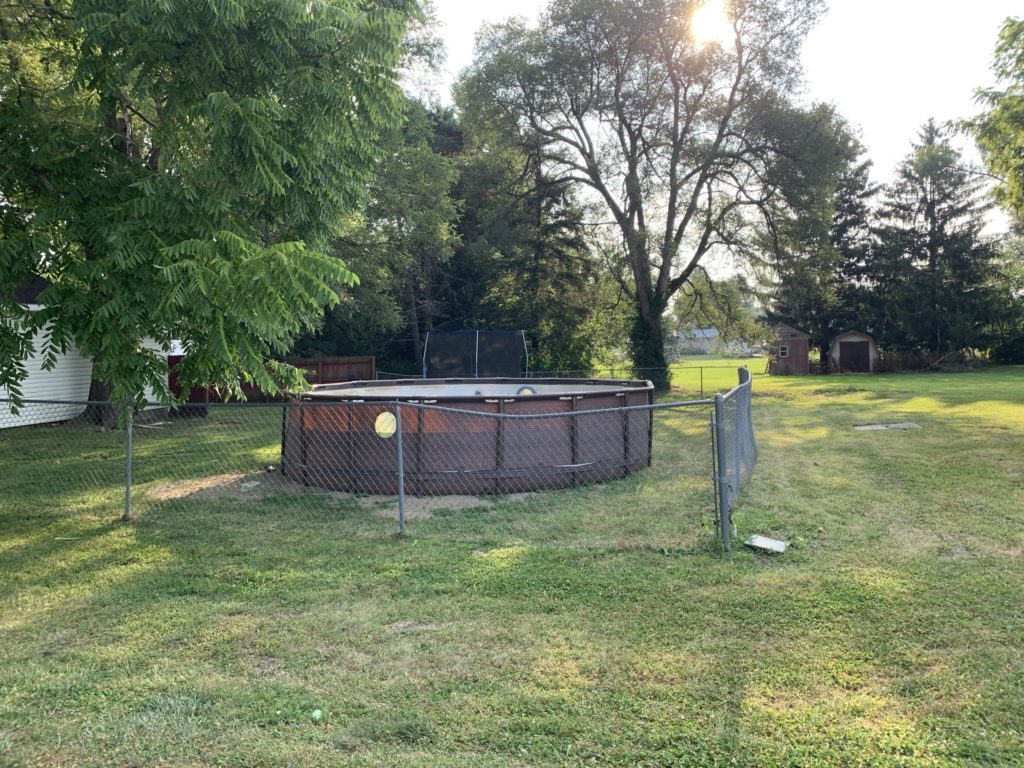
(333, 444)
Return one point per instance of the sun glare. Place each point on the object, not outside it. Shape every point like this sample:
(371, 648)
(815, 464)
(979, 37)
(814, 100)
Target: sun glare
(710, 23)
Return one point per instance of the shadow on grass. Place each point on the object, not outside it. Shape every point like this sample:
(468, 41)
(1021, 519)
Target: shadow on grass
(528, 631)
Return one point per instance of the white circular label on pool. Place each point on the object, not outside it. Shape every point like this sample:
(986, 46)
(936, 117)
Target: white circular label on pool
(386, 424)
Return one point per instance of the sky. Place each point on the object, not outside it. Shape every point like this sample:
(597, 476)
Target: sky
(887, 65)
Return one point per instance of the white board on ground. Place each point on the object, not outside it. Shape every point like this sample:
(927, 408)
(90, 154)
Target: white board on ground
(766, 544)
(896, 425)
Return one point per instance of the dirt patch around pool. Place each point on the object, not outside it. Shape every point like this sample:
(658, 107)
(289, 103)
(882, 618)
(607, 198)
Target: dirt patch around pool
(258, 486)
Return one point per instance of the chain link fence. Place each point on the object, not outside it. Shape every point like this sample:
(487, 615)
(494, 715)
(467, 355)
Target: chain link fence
(735, 449)
(617, 477)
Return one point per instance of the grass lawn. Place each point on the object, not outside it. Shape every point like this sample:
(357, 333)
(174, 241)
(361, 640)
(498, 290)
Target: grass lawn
(584, 631)
(715, 372)
(712, 373)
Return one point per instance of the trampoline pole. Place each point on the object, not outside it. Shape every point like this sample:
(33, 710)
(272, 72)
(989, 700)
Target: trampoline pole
(423, 363)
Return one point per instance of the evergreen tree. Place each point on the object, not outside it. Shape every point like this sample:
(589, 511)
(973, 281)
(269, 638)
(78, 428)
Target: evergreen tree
(814, 271)
(854, 241)
(933, 274)
(525, 262)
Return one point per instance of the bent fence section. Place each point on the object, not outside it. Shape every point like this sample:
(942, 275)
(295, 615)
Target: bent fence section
(735, 449)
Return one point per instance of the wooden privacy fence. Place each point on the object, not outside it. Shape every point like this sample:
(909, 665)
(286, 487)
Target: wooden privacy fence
(318, 370)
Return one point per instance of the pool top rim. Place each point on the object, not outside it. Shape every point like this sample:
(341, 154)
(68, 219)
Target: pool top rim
(591, 387)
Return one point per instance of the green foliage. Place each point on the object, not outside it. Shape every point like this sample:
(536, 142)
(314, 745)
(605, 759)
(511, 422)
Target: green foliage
(1009, 352)
(463, 230)
(933, 273)
(398, 244)
(682, 144)
(1000, 129)
(1006, 323)
(915, 271)
(816, 255)
(526, 261)
(177, 169)
(728, 305)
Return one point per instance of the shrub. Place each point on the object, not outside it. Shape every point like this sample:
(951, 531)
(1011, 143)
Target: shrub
(1010, 351)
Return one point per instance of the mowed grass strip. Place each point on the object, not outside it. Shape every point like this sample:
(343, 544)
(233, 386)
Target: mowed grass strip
(209, 631)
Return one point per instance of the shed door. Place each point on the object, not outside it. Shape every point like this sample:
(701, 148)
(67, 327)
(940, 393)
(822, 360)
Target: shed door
(855, 356)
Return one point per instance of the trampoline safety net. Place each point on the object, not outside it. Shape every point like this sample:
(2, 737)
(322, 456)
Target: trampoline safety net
(474, 354)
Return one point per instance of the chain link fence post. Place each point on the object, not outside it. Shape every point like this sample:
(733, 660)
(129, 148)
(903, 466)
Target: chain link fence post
(721, 480)
(715, 513)
(128, 416)
(401, 469)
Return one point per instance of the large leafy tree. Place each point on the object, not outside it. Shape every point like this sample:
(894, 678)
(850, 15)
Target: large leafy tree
(398, 243)
(933, 275)
(1000, 129)
(176, 169)
(681, 142)
(525, 261)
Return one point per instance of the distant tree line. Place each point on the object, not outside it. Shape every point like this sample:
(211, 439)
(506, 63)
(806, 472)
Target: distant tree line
(594, 162)
(908, 262)
(251, 180)
(463, 231)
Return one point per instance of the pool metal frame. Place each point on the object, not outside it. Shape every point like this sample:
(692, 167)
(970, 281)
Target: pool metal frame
(598, 432)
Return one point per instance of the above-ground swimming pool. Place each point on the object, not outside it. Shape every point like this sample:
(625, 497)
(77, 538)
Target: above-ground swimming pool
(467, 436)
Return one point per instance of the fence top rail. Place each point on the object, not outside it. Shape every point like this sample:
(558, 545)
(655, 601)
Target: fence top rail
(399, 403)
(526, 416)
(103, 403)
(600, 370)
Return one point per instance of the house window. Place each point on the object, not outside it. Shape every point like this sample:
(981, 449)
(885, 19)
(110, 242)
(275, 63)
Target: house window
(783, 351)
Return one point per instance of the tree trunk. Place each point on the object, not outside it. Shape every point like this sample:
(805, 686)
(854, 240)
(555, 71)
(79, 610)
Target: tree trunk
(120, 128)
(648, 347)
(414, 323)
(101, 412)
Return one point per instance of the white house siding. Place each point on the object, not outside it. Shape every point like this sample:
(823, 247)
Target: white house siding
(68, 380)
(176, 349)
